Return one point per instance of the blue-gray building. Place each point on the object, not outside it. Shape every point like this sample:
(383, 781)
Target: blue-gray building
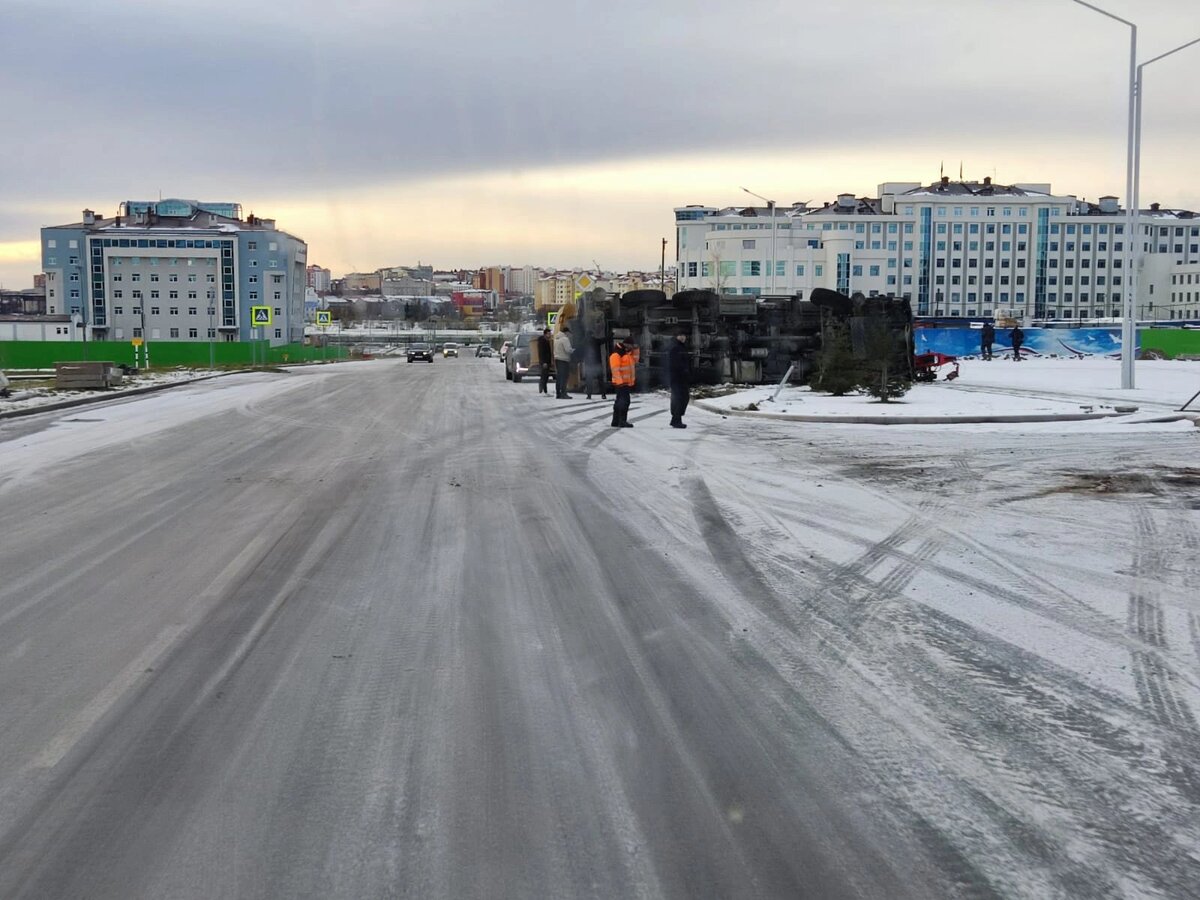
(176, 270)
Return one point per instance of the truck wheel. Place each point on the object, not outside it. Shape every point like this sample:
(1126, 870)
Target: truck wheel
(516, 378)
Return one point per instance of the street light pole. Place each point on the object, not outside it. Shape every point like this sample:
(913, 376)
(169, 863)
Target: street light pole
(1128, 325)
(771, 207)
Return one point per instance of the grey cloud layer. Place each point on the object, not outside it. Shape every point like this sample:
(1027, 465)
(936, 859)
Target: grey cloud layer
(296, 98)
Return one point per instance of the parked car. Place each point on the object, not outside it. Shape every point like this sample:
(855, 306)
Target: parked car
(449, 350)
(485, 351)
(420, 351)
(517, 364)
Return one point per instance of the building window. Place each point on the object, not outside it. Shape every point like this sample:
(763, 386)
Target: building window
(212, 332)
(172, 295)
(137, 332)
(174, 332)
(746, 245)
(278, 332)
(193, 332)
(254, 295)
(173, 311)
(117, 295)
(191, 310)
(118, 310)
(154, 310)
(254, 278)
(154, 276)
(252, 245)
(154, 295)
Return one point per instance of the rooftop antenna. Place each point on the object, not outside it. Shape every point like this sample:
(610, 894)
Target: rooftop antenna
(960, 170)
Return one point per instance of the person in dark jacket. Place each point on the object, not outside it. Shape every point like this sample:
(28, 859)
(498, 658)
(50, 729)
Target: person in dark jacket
(1018, 338)
(545, 355)
(679, 376)
(986, 338)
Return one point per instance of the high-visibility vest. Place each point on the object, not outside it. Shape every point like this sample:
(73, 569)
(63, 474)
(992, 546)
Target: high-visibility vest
(624, 367)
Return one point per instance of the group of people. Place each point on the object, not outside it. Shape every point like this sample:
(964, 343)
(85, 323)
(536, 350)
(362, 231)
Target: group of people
(622, 362)
(988, 336)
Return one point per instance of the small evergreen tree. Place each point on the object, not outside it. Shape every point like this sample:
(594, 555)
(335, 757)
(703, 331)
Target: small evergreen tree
(884, 376)
(838, 372)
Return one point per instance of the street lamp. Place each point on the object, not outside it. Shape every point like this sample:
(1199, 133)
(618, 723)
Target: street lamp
(771, 207)
(1132, 191)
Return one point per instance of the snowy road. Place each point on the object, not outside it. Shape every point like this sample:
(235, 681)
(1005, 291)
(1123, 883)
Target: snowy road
(389, 630)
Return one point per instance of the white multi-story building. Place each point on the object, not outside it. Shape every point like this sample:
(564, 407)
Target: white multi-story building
(952, 248)
(520, 279)
(1184, 295)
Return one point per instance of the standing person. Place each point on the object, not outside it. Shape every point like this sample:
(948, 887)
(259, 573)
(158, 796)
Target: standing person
(1018, 338)
(986, 339)
(545, 356)
(679, 375)
(623, 363)
(562, 362)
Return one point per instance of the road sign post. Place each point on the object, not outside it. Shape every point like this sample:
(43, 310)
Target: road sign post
(260, 318)
(324, 320)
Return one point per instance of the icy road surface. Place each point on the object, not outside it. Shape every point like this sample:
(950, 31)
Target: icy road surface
(383, 630)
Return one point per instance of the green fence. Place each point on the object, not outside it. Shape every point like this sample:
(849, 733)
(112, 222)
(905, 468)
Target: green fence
(1170, 342)
(44, 354)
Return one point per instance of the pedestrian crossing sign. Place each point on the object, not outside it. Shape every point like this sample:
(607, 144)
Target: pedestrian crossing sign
(260, 315)
(324, 318)
(551, 318)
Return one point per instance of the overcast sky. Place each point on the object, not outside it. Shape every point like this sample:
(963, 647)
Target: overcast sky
(551, 132)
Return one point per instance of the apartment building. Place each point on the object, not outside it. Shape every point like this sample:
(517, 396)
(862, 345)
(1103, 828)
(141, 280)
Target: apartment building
(175, 270)
(960, 248)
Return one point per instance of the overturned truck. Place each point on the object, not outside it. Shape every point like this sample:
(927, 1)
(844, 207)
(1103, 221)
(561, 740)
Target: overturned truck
(734, 338)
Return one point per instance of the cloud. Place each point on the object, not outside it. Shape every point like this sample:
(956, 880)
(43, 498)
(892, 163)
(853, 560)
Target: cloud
(305, 103)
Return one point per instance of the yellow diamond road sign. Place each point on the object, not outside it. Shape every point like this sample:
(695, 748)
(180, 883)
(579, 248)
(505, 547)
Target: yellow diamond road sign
(260, 315)
(584, 282)
(324, 318)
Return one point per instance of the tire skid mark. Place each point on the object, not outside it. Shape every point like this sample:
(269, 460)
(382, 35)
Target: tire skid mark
(1051, 703)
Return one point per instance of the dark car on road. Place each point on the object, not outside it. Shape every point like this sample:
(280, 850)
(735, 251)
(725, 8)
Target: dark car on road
(517, 363)
(420, 351)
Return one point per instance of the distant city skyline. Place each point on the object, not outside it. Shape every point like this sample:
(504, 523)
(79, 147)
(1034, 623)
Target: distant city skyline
(483, 158)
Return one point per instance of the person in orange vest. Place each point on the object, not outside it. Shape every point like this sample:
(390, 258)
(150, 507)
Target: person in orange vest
(623, 363)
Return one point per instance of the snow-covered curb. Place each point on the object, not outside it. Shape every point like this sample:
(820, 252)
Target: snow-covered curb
(100, 396)
(910, 420)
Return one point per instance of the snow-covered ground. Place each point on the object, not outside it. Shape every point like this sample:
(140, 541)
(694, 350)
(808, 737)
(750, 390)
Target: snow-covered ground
(999, 623)
(44, 394)
(1001, 387)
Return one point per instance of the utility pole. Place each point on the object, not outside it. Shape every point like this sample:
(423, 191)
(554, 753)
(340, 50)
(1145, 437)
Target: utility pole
(662, 267)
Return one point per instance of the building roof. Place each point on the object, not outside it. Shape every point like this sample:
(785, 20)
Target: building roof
(985, 188)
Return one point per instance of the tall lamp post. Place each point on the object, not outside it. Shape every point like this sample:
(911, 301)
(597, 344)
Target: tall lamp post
(1132, 191)
(771, 207)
